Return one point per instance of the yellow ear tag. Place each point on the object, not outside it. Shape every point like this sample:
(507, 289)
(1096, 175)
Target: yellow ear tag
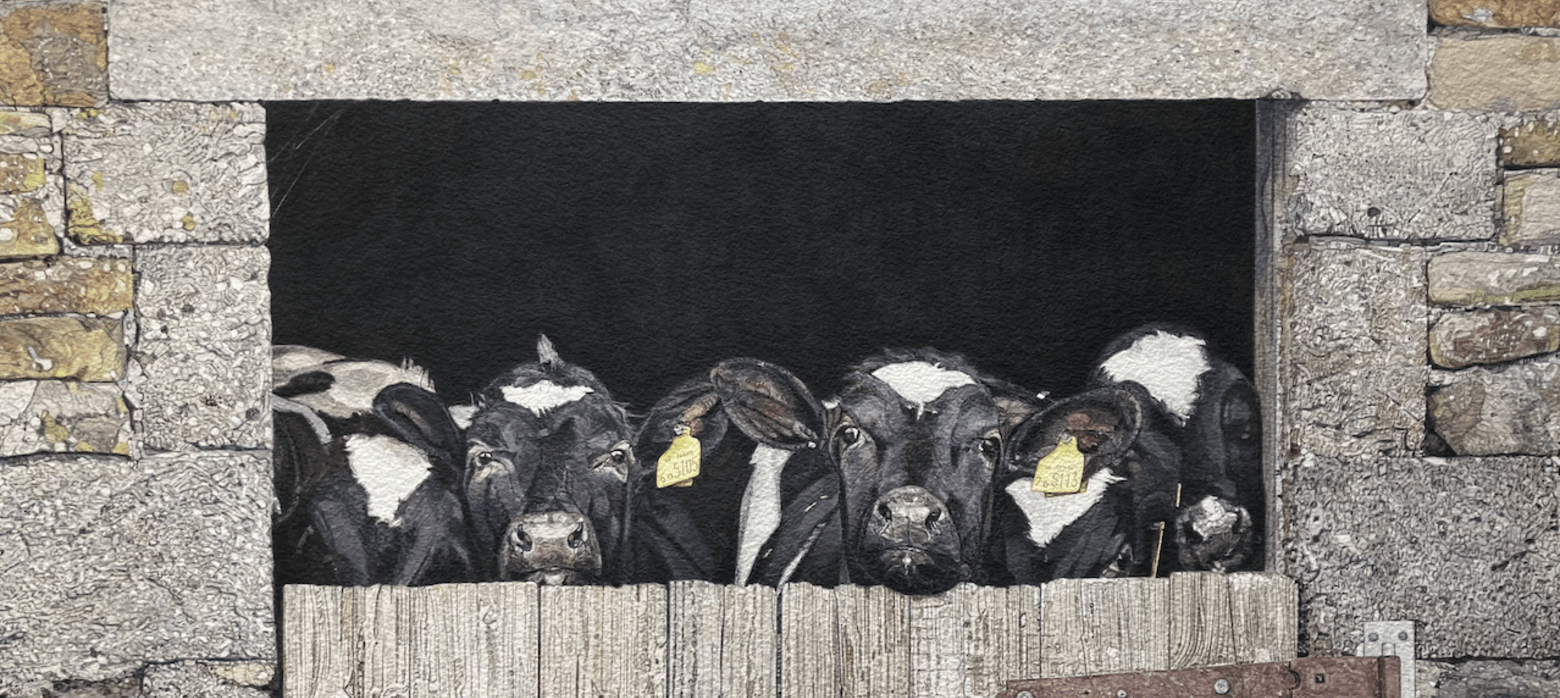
(680, 464)
(1061, 471)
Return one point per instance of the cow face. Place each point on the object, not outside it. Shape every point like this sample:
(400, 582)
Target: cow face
(548, 455)
(917, 436)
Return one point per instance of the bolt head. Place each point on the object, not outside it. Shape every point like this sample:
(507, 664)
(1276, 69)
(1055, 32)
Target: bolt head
(1403, 635)
(1025, 694)
(1221, 687)
(1372, 638)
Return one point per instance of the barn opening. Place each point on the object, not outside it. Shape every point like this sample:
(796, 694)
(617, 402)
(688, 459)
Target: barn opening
(650, 240)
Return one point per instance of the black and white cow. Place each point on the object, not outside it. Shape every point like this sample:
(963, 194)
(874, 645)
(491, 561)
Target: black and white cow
(1122, 495)
(1213, 416)
(759, 431)
(372, 499)
(548, 456)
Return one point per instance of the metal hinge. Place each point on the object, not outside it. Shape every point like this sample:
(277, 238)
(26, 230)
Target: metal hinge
(1318, 677)
(1392, 638)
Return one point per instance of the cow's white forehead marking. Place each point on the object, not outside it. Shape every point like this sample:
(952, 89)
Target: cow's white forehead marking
(388, 469)
(1049, 515)
(1167, 365)
(921, 382)
(543, 396)
(760, 514)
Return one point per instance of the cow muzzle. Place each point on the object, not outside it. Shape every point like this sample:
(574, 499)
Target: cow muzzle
(911, 543)
(553, 547)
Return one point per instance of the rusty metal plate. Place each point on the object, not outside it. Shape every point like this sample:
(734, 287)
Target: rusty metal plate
(1309, 677)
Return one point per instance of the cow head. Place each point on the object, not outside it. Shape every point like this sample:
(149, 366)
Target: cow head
(548, 455)
(917, 435)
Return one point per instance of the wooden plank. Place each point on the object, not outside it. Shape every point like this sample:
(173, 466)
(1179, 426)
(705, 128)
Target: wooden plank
(809, 643)
(874, 641)
(1062, 652)
(721, 640)
(1126, 624)
(475, 639)
(972, 640)
(603, 641)
(317, 642)
(1264, 608)
(1200, 623)
(386, 638)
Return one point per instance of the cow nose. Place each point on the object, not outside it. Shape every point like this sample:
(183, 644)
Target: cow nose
(909, 515)
(542, 546)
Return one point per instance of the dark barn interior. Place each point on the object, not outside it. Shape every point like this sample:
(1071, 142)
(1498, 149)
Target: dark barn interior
(651, 240)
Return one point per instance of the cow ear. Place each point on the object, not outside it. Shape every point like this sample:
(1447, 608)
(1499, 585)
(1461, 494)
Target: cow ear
(1013, 410)
(768, 403)
(1104, 423)
(305, 384)
(420, 419)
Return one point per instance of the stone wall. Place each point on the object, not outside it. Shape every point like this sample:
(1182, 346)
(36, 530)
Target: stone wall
(1408, 278)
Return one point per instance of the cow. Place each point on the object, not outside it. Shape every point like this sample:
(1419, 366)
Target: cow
(1167, 436)
(886, 484)
(1100, 519)
(1213, 415)
(548, 457)
(334, 386)
(374, 498)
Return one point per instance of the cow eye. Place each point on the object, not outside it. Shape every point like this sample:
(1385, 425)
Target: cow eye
(990, 447)
(619, 455)
(850, 435)
(484, 457)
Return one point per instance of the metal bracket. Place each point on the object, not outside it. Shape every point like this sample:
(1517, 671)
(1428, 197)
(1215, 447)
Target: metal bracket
(1306, 677)
(1392, 638)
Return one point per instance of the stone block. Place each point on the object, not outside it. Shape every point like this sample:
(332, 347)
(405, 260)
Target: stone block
(111, 564)
(1468, 548)
(208, 680)
(1531, 209)
(167, 173)
(1493, 336)
(758, 50)
(62, 416)
(1493, 278)
(1411, 175)
(79, 348)
(31, 199)
(1503, 410)
(96, 285)
(1532, 143)
(201, 372)
(27, 124)
(1353, 350)
(1481, 678)
(1499, 72)
(53, 54)
(1497, 14)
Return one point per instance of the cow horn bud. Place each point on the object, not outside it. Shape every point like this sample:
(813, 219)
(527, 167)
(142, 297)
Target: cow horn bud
(545, 353)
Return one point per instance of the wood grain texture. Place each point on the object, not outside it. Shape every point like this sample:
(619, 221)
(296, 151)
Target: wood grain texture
(972, 640)
(809, 643)
(1102, 626)
(1200, 632)
(721, 640)
(603, 641)
(874, 628)
(1264, 614)
(315, 642)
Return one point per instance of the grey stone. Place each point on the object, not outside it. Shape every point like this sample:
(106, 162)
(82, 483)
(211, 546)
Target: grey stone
(62, 416)
(1493, 278)
(1496, 72)
(1531, 208)
(200, 375)
(109, 564)
(1469, 548)
(1411, 175)
(1496, 679)
(1459, 339)
(1511, 409)
(752, 50)
(207, 679)
(1352, 350)
(167, 173)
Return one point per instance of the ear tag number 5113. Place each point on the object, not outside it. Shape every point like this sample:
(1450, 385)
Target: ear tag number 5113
(1061, 471)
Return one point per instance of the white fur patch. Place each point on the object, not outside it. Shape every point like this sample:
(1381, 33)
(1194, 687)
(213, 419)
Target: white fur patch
(760, 507)
(1049, 515)
(921, 382)
(388, 470)
(463, 414)
(1167, 365)
(544, 396)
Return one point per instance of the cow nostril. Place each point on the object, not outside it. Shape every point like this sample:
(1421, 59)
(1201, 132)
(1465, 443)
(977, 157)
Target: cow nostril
(577, 537)
(932, 517)
(523, 541)
(884, 512)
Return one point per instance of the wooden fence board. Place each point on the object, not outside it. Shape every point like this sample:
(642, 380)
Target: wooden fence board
(809, 643)
(874, 645)
(1200, 620)
(1102, 626)
(721, 640)
(317, 641)
(603, 641)
(972, 640)
(1264, 610)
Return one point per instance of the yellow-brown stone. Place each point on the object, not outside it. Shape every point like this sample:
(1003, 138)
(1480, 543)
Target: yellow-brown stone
(54, 55)
(1497, 14)
(84, 349)
(21, 173)
(25, 123)
(1503, 72)
(1534, 143)
(28, 233)
(66, 285)
(80, 224)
